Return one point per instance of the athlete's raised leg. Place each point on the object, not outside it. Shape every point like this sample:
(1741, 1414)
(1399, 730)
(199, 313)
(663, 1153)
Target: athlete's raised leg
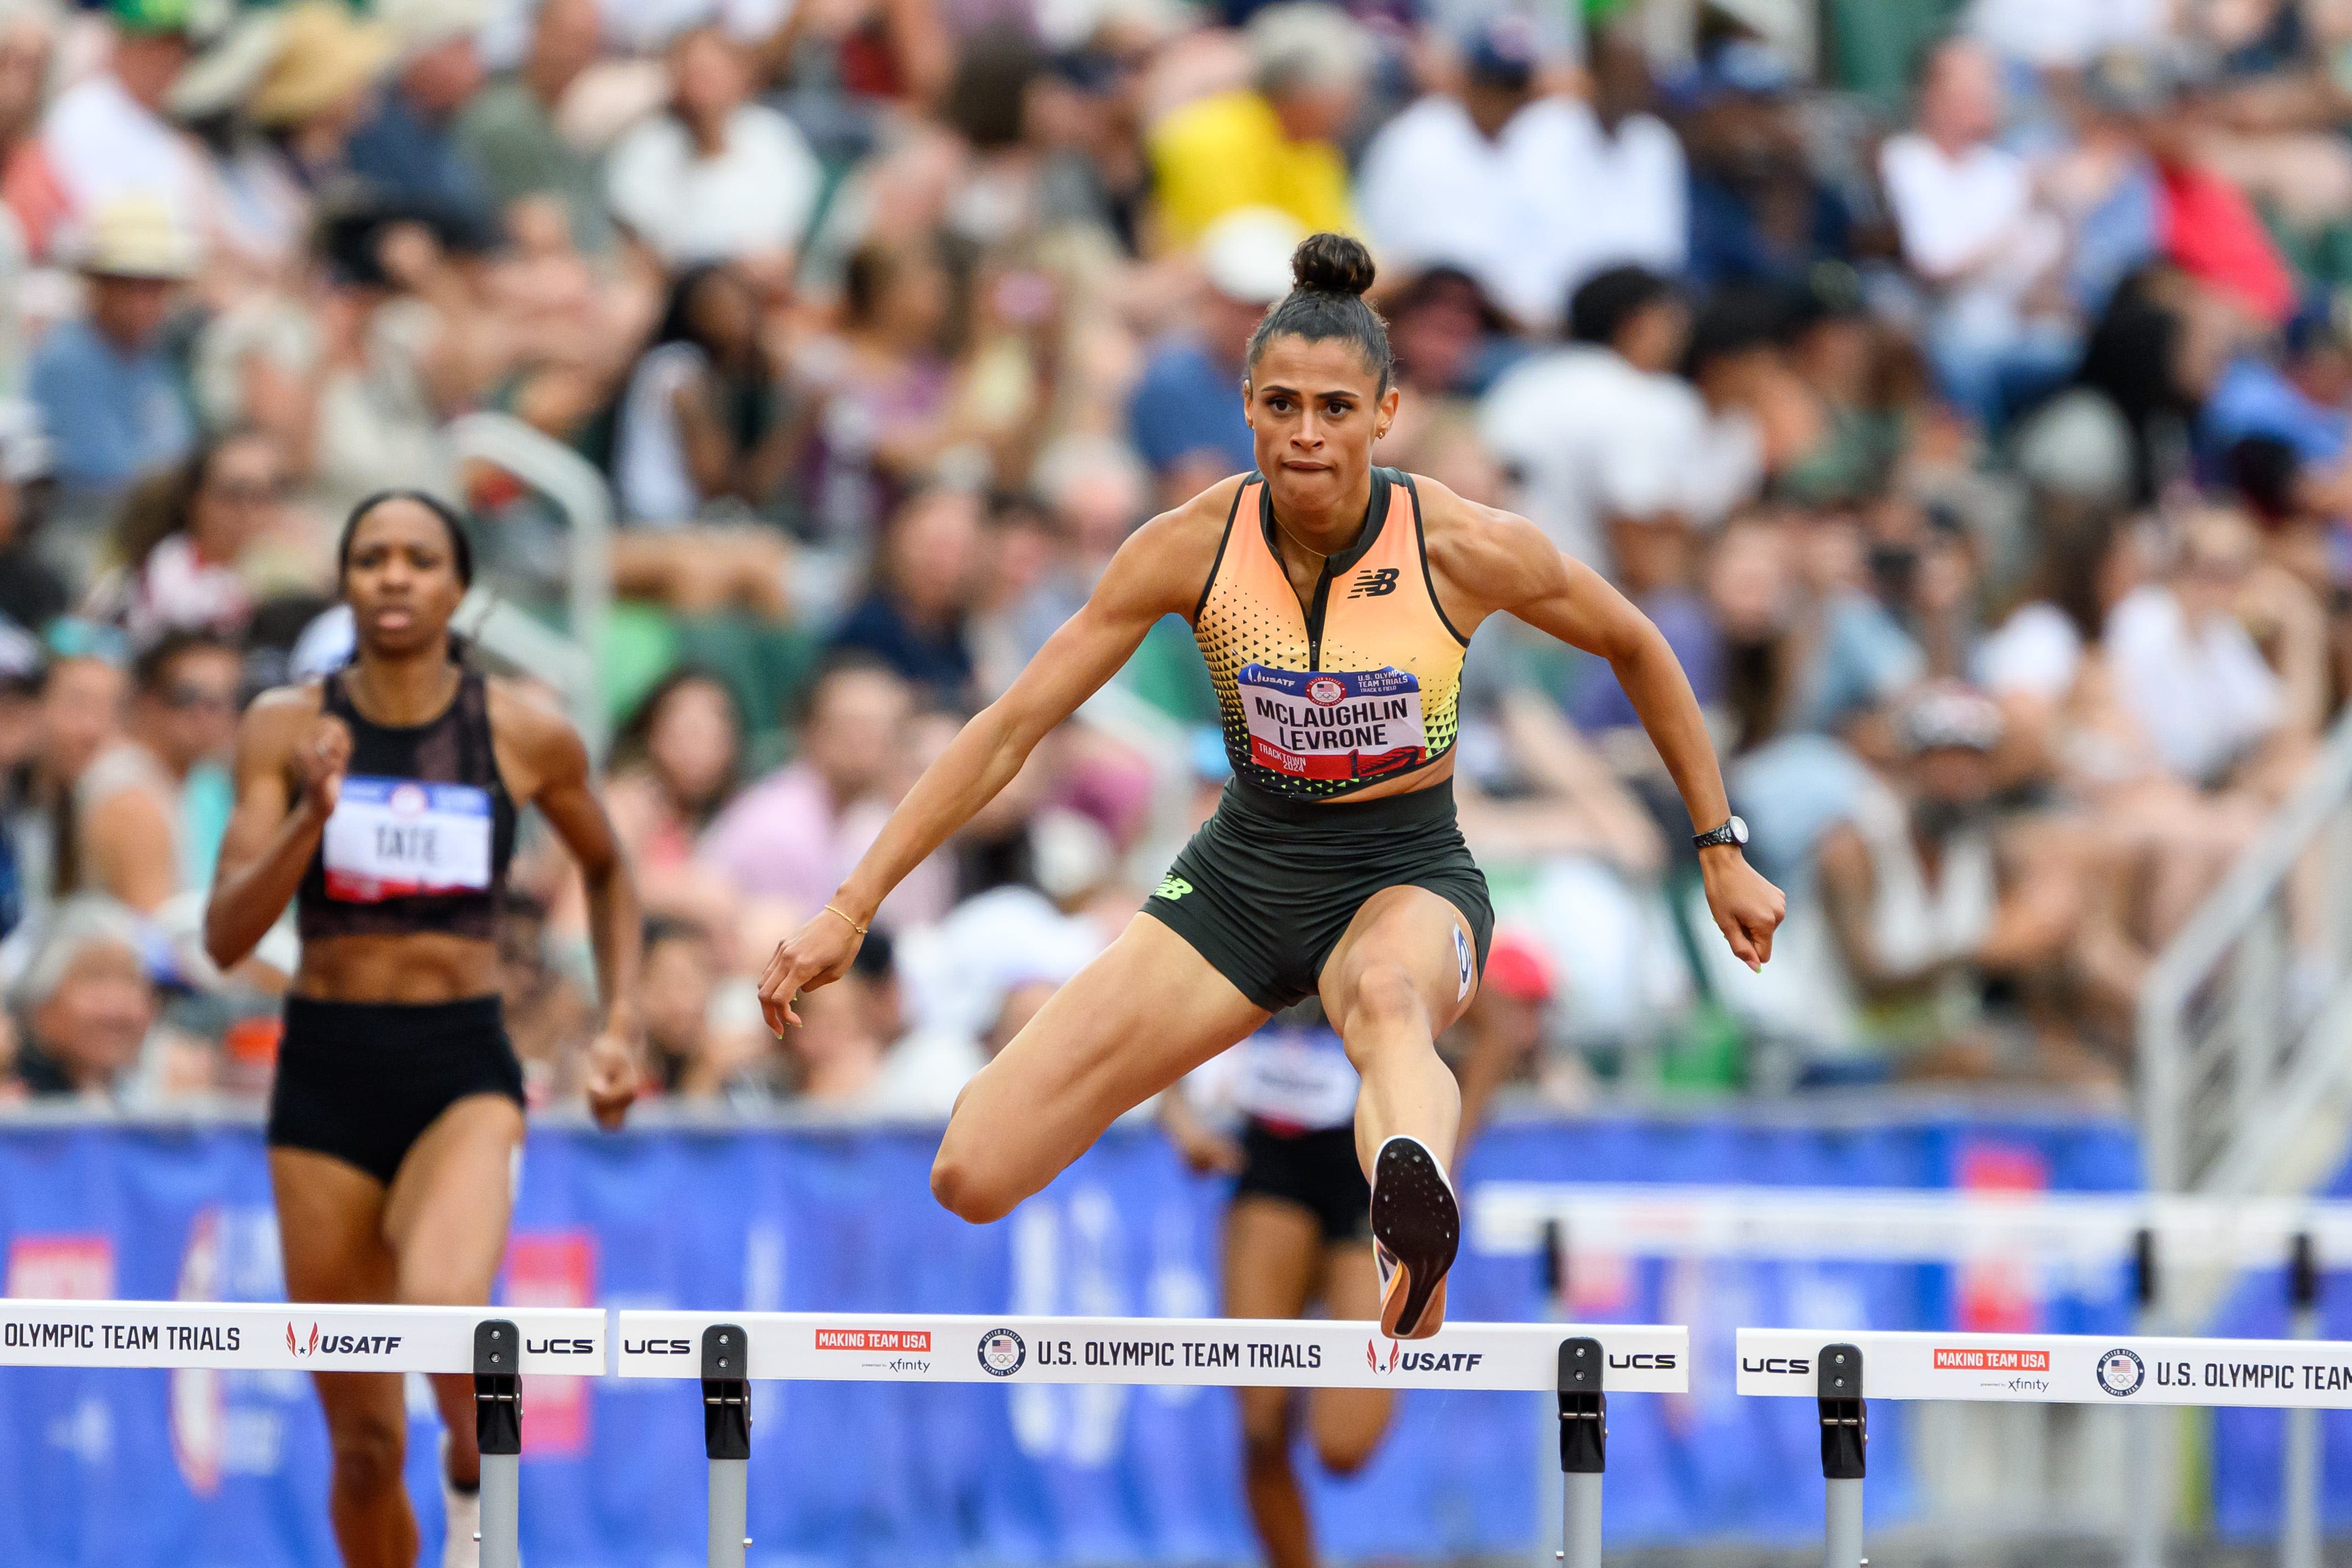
(1274, 1257)
(1404, 971)
(330, 1230)
(445, 1217)
(1147, 1011)
(1391, 988)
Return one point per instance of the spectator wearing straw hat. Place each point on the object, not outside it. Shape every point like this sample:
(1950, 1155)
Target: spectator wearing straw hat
(313, 93)
(104, 387)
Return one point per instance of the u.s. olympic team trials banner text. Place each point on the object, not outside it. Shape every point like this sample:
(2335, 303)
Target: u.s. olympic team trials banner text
(225, 1467)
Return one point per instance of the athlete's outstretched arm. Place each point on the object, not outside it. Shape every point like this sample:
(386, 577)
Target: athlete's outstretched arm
(564, 790)
(1159, 571)
(272, 835)
(1504, 562)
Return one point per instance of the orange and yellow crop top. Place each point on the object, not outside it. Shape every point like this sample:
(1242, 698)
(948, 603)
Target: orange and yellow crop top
(1360, 686)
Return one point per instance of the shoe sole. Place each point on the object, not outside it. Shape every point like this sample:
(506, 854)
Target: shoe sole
(1417, 1222)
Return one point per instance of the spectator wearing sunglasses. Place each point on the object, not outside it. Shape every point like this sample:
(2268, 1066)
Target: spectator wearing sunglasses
(189, 539)
(145, 828)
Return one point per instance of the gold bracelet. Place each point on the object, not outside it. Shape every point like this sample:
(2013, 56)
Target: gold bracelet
(852, 924)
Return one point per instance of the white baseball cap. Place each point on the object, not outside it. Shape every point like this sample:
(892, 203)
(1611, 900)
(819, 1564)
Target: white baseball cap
(1246, 254)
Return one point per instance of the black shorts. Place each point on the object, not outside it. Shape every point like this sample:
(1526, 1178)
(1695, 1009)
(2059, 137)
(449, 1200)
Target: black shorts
(1266, 887)
(1317, 1171)
(362, 1080)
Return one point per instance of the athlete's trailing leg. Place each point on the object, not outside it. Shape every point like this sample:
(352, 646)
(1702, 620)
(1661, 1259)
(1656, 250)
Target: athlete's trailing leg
(1404, 971)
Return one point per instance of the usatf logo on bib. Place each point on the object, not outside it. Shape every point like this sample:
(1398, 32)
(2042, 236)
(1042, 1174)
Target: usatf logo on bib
(391, 838)
(1332, 724)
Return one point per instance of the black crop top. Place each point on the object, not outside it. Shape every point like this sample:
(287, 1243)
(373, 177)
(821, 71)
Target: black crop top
(422, 832)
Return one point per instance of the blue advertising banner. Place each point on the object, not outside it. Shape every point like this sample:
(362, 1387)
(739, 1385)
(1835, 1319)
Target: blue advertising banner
(2248, 1445)
(210, 1469)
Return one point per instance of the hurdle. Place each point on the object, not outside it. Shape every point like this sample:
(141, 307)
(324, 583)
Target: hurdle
(1840, 1370)
(2154, 1239)
(497, 1346)
(726, 1353)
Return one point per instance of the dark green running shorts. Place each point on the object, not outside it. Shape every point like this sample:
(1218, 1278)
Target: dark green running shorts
(1266, 887)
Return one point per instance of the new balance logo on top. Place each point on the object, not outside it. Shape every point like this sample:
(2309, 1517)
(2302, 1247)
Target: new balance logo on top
(1171, 889)
(1377, 584)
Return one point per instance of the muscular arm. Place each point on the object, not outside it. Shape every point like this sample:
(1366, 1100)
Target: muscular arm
(545, 763)
(563, 789)
(1490, 561)
(270, 838)
(1159, 571)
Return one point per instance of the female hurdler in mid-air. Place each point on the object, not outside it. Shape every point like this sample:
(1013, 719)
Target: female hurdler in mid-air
(1333, 601)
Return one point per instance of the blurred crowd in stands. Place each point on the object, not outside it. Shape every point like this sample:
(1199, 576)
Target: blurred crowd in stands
(1965, 388)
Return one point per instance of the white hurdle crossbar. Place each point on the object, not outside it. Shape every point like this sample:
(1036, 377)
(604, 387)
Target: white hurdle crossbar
(494, 1346)
(1580, 1365)
(1842, 1370)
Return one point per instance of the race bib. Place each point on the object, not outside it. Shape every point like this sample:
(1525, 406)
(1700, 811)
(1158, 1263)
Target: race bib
(1297, 1078)
(390, 838)
(1332, 724)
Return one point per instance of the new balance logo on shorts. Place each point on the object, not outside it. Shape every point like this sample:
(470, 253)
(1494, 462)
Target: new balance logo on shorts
(1172, 888)
(1377, 584)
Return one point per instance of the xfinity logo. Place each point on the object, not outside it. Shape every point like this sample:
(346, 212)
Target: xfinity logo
(656, 1347)
(1789, 1365)
(559, 1347)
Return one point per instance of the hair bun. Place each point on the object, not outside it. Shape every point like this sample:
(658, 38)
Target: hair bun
(1332, 264)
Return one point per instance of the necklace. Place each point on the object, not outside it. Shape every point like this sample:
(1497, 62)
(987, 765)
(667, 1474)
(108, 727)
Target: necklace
(1318, 554)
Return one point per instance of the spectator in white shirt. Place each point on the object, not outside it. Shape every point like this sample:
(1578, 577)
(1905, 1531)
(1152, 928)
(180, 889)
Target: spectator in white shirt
(1472, 179)
(1528, 193)
(718, 178)
(1629, 192)
(1602, 433)
(106, 138)
(1973, 231)
(2186, 670)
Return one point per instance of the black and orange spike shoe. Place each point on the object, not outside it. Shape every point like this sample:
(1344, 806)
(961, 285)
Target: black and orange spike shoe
(1416, 1230)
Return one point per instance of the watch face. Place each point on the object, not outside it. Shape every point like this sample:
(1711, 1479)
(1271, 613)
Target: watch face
(1739, 831)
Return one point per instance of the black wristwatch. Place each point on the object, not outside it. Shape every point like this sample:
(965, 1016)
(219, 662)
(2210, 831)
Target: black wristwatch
(1732, 832)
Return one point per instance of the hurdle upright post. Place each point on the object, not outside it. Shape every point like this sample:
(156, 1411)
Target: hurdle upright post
(1583, 1451)
(498, 1429)
(1845, 1435)
(727, 1439)
(2299, 1530)
(2146, 1433)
